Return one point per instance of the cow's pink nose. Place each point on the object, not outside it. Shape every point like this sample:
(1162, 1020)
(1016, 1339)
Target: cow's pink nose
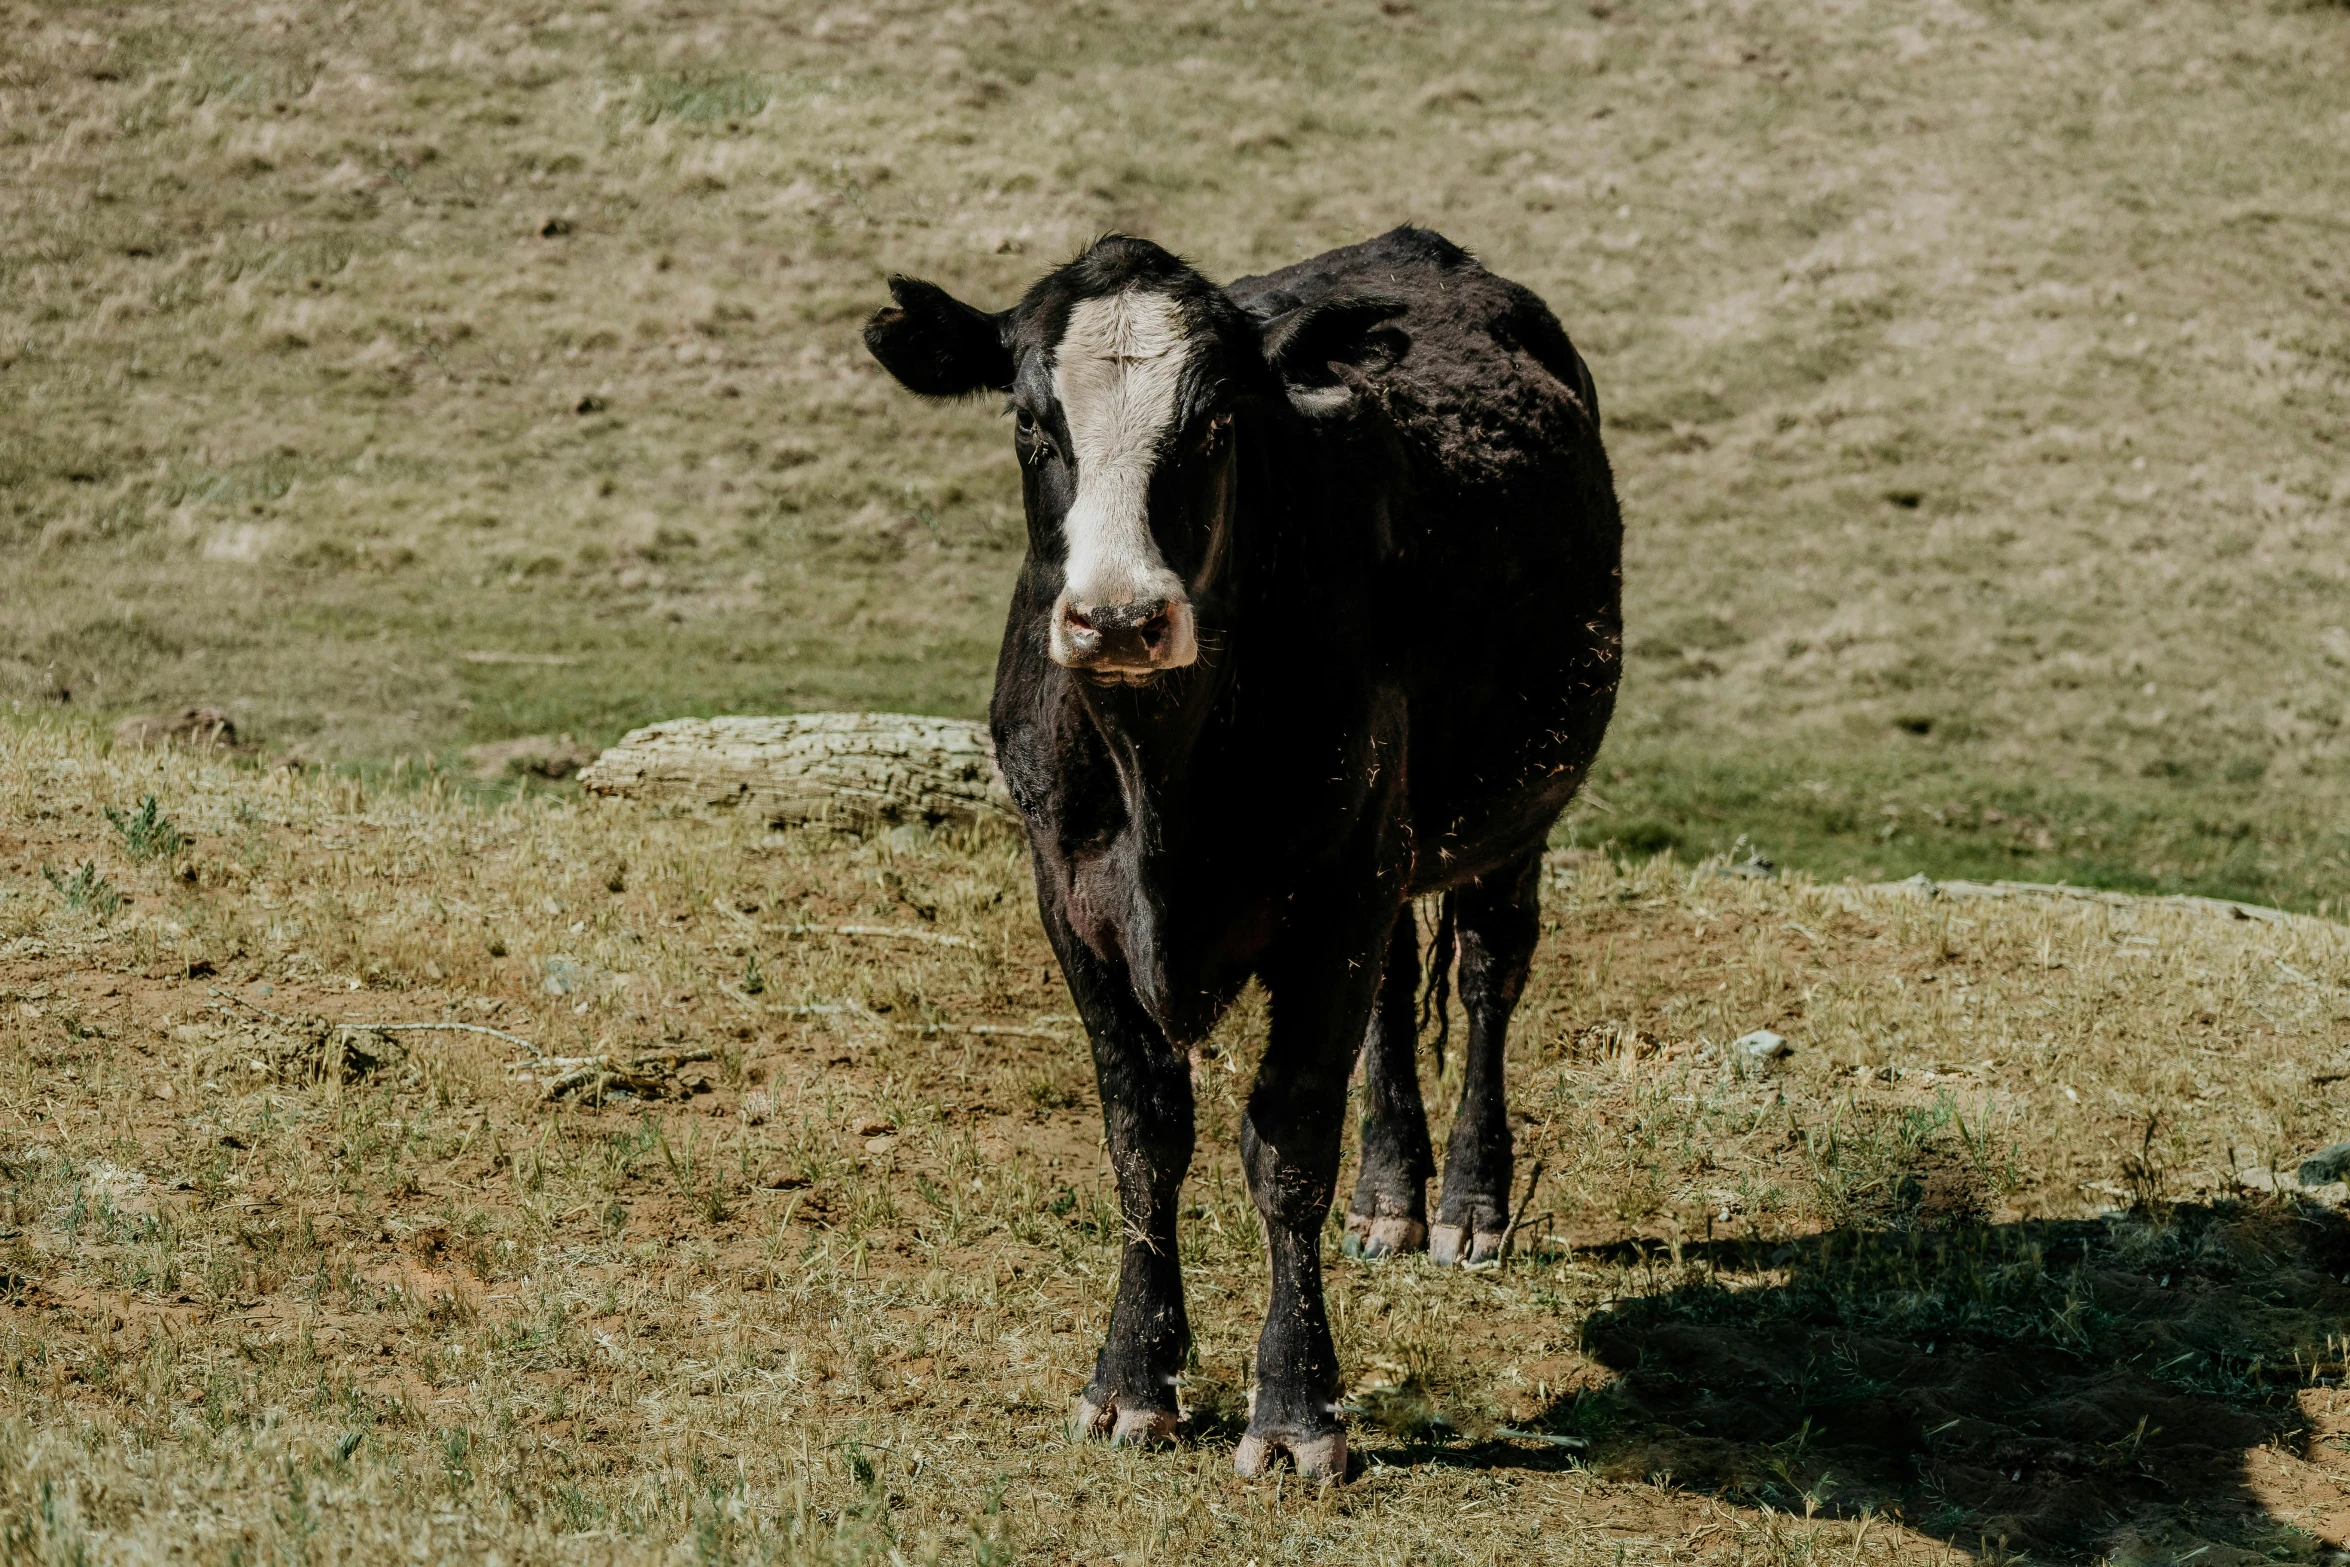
(1127, 636)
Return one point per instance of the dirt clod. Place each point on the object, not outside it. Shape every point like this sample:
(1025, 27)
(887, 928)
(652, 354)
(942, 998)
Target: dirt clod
(197, 728)
(533, 756)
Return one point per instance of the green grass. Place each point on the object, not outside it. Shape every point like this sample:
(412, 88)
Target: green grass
(1977, 379)
(1914, 807)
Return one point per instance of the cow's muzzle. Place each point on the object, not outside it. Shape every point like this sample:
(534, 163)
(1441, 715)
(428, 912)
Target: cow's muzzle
(1125, 640)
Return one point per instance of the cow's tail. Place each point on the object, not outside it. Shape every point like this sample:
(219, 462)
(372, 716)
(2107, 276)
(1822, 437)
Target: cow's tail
(1436, 1000)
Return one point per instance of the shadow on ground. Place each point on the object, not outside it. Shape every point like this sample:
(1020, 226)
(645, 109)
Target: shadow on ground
(2062, 1390)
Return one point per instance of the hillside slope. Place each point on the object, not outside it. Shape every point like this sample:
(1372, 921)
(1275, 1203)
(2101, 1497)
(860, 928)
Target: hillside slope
(1977, 374)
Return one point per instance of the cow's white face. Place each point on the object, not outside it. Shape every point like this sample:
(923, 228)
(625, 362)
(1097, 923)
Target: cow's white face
(1118, 378)
(1132, 379)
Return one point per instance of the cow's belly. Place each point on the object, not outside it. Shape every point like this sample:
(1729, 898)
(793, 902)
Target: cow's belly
(1489, 779)
(1456, 849)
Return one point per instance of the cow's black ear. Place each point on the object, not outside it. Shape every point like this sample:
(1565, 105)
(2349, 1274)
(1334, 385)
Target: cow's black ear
(937, 345)
(1302, 344)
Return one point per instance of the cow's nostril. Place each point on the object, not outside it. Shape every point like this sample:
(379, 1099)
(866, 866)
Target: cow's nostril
(1127, 637)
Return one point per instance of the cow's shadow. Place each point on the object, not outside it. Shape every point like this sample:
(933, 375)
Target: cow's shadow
(2059, 1389)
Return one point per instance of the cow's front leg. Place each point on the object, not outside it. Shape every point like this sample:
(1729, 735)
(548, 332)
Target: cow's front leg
(1147, 1114)
(1289, 1138)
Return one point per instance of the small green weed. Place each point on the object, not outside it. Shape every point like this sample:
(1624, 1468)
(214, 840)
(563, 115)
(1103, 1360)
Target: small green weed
(1879, 1169)
(1408, 1410)
(85, 891)
(147, 834)
(705, 1189)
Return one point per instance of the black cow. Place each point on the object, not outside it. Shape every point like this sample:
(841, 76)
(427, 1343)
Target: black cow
(1320, 613)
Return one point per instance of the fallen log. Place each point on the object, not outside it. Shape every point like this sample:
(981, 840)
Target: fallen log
(854, 770)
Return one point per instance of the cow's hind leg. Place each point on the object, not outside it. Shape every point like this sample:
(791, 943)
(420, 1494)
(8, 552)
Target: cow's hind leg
(1500, 922)
(1147, 1116)
(1390, 1209)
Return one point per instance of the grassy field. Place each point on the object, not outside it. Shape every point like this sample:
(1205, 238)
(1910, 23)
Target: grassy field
(1978, 374)
(1996, 1265)
(410, 377)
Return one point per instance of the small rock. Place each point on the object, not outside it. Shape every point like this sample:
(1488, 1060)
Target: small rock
(880, 1144)
(2326, 1165)
(1762, 1045)
(197, 728)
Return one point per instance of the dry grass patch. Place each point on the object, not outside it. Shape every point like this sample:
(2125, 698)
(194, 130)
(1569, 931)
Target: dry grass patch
(1993, 1253)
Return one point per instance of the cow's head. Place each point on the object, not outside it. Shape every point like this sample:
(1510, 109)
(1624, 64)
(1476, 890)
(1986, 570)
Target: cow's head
(1131, 380)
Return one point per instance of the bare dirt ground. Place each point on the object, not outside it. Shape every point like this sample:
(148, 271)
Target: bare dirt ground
(1996, 1263)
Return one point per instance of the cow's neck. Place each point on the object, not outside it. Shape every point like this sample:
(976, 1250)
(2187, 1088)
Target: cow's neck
(1154, 735)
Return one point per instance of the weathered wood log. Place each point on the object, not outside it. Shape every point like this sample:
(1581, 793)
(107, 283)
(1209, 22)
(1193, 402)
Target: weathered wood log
(855, 770)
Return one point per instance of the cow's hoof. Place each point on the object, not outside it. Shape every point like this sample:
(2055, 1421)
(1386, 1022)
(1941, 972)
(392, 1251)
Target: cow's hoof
(1316, 1457)
(1370, 1239)
(1455, 1245)
(1122, 1427)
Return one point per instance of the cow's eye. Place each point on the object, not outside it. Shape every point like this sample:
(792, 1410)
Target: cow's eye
(1035, 445)
(1213, 435)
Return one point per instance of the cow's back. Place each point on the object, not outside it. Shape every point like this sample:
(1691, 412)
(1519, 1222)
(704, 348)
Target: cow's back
(1498, 594)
